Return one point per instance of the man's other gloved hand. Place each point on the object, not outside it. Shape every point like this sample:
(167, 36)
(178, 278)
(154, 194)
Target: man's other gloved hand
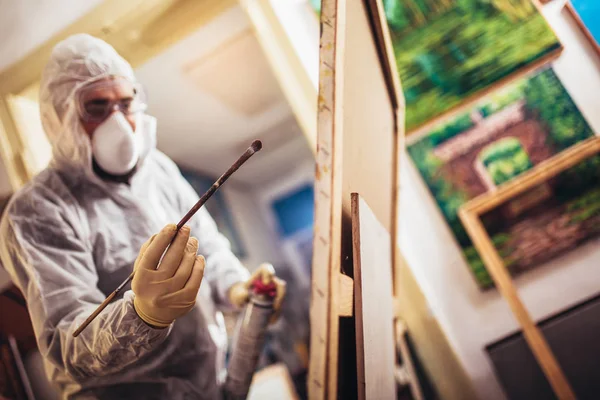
(169, 292)
(240, 292)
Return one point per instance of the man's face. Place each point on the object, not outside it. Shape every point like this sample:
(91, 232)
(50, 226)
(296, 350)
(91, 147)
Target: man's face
(100, 99)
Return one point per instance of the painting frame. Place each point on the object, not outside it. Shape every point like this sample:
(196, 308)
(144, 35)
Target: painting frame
(470, 215)
(595, 43)
(455, 160)
(539, 174)
(475, 94)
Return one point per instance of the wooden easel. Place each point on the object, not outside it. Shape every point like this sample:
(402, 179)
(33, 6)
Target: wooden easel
(358, 146)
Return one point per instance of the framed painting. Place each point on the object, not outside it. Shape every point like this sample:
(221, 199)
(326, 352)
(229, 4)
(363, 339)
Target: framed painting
(491, 144)
(449, 53)
(553, 224)
(553, 209)
(586, 14)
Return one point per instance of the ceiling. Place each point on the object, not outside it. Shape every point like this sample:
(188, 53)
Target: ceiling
(212, 92)
(26, 24)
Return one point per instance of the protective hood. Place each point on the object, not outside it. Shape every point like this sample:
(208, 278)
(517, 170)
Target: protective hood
(74, 63)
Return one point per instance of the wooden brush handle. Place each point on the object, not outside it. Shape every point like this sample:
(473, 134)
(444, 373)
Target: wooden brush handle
(93, 315)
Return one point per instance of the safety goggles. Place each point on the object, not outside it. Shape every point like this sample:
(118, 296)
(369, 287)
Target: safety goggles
(98, 100)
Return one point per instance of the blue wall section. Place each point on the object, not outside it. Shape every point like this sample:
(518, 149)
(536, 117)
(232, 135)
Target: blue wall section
(295, 211)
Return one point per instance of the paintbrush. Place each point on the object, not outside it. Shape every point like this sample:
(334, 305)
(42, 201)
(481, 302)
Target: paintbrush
(254, 147)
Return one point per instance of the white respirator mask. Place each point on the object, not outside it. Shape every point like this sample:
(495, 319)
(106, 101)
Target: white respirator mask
(117, 148)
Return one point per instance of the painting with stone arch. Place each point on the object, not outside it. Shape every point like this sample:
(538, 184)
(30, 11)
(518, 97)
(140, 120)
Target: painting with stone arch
(505, 134)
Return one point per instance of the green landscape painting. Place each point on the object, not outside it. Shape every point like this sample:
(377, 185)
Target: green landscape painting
(505, 134)
(449, 50)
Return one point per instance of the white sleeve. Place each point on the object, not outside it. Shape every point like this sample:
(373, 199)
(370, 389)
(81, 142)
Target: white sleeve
(57, 275)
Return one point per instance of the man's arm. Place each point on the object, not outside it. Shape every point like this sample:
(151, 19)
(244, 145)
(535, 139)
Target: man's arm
(56, 273)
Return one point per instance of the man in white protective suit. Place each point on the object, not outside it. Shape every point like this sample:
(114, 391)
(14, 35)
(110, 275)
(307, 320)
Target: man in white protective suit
(76, 231)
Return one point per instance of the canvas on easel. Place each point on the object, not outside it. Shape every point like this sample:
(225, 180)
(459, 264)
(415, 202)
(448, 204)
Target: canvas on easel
(359, 143)
(358, 92)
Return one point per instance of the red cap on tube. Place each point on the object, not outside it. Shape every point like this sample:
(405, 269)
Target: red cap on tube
(258, 287)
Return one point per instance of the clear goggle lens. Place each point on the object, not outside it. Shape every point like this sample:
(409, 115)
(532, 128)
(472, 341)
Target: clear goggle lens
(96, 101)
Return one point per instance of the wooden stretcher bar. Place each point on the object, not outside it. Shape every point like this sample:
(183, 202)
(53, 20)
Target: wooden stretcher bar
(470, 214)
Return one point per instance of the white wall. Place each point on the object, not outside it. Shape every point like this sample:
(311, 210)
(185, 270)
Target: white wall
(471, 318)
(26, 24)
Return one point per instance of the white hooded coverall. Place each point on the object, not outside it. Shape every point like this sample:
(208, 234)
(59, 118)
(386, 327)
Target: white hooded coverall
(69, 239)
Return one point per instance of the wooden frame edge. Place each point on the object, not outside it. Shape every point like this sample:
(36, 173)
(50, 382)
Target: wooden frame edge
(586, 32)
(326, 265)
(538, 174)
(470, 215)
(358, 322)
(533, 336)
(385, 50)
(336, 217)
